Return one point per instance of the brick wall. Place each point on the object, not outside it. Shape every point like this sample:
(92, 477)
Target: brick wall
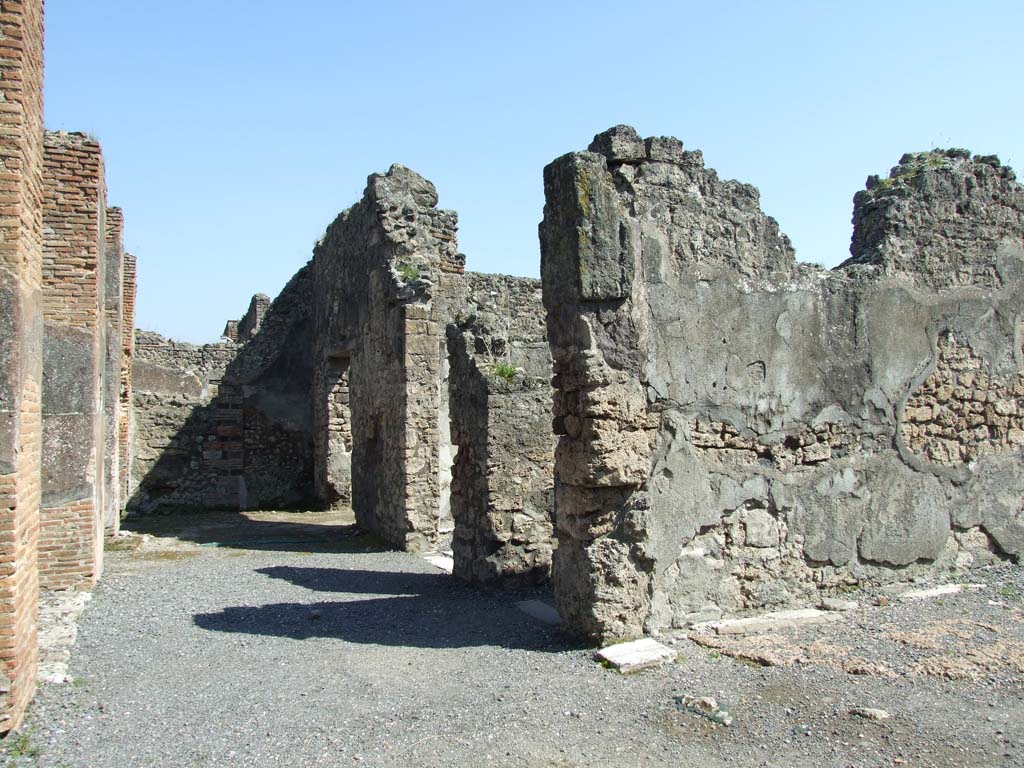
(126, 416)
(113, 255)
(21, 115)
(74, 348)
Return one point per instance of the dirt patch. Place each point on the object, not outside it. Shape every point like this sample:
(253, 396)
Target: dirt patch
(783, 651)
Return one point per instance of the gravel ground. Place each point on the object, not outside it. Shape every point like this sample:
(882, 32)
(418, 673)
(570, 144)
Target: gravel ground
(271, 642)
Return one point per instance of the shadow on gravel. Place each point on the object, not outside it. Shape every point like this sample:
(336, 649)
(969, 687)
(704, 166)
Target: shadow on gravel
(409, 621)
(365, 582)
(426, 611)
(286, 532)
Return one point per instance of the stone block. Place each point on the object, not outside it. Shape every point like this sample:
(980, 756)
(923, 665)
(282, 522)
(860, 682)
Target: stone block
(636, 655)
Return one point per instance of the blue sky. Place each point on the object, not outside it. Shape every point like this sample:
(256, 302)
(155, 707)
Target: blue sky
(234, 131)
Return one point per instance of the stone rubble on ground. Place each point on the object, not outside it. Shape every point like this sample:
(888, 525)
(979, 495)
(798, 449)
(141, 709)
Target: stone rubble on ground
(870, 713)
(705, 706)
(837, 604)
(58, 630)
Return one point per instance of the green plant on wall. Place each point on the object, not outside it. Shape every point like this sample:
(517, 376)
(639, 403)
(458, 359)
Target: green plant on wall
(506, 370)
(408, 272)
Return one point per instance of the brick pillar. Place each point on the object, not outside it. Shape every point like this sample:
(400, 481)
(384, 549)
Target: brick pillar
(113, 255)
(74, 348)
(126, 417)
(21, 163)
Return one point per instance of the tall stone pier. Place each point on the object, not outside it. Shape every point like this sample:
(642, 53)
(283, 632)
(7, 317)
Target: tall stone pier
(738, 431)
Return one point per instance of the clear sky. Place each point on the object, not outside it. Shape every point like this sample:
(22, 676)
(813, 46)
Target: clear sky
(234, 131)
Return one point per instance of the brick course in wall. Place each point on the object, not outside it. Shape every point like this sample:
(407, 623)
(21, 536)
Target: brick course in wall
(74, 349)
(21, 189)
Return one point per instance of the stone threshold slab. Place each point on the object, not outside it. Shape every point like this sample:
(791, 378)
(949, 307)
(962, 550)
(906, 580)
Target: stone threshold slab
(939, 591)
(636, 655)
(768, 622)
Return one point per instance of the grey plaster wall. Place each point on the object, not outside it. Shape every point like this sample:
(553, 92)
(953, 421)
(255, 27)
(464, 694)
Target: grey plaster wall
(733, 425)
(70, 397)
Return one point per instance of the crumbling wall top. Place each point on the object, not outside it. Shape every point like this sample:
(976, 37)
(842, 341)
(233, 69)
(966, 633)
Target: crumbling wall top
(251, 321)
(604, 207)
(943, 218)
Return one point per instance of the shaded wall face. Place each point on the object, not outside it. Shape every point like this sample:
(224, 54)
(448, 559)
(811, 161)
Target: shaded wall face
(76, 484)
(21, 331)
(739, 431)
(500, 410)
(226, 426)
(333, 439)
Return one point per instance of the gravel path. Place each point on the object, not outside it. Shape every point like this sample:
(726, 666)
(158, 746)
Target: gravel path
(269, 643)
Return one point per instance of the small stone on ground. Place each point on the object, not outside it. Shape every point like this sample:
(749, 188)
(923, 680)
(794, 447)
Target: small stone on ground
(441, 562)
(540, 611)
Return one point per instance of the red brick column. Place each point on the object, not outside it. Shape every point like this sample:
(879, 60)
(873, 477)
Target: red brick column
(126, 415)
(113, 287)
(74, 274)
(21, 160)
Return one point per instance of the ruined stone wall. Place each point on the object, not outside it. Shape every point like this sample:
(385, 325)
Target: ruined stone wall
(251, 321)
(738, 431)
(74, 491)
(112, 319)
(21, 185)
(126, 411)
(377, 269)
(174, 385)
(400, 381)
(500, 411)
(226, 426)
(969, 236)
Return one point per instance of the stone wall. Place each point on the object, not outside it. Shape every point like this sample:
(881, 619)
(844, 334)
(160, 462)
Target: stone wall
(739, 431)
(226, 426)
(379, 346)
(251, 321)
(390, 407)
(21, 333)
(74, 487)
(500, 411)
